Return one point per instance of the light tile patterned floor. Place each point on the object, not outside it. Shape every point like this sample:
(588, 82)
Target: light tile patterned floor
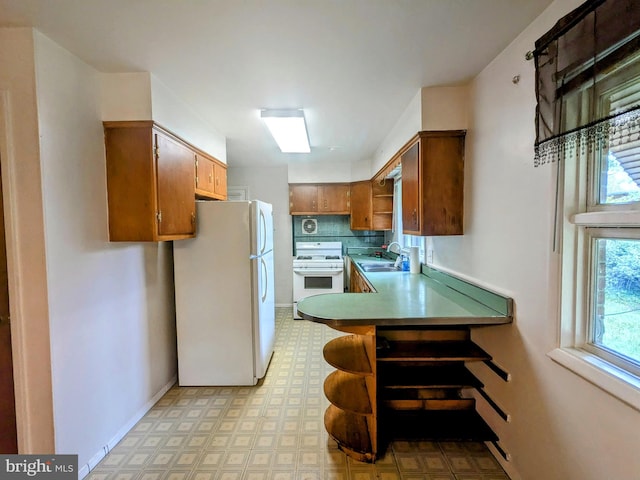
(274, 431)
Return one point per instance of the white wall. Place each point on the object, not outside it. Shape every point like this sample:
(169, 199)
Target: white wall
(173, 114)
(141, 96)
(111, 309)
(445, 108)
(335, 172)
(563, 427)
(126, 96)
(270, 184)
(407, 126)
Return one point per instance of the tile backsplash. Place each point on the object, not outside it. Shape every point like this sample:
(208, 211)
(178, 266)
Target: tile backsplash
(335, 228)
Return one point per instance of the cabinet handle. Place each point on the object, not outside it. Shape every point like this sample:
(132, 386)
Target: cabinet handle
(210, 178)
(193, 218)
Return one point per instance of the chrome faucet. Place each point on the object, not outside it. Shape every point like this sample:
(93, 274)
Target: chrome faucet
(395, 243)
(400, 251)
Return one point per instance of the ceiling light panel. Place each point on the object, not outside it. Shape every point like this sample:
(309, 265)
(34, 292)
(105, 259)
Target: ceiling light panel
(288, 128)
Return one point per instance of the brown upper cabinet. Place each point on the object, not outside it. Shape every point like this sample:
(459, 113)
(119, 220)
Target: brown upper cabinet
(433, 183)
(323, 199)
(150, 182)
(211, 178)
(382, 204)
(372, 204)
(361, 212)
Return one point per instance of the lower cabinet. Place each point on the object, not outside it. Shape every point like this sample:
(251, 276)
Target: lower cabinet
(357, 283)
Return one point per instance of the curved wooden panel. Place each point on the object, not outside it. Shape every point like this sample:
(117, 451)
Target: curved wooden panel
(351, 433)
(348, 392)
(348, 353)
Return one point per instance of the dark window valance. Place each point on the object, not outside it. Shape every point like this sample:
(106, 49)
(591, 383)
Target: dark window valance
(572, 58)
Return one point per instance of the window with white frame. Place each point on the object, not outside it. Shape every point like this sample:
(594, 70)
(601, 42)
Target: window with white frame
(588, 123)
(406, 241)
(600, 298)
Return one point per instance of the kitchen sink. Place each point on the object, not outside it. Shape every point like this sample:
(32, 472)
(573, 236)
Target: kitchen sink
(379, 267)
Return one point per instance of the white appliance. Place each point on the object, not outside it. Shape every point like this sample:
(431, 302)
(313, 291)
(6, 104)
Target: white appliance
(318, 267)
(224, 288)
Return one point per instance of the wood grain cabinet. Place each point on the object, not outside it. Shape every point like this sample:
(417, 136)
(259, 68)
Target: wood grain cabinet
(361, 206)
(357, 283)
(372, 205)
(220, 180)
(151, 184)
(433, 184)
(323, 199)
(211, 178)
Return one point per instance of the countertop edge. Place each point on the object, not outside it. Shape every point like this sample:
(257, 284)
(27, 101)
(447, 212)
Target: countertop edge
(498, 319)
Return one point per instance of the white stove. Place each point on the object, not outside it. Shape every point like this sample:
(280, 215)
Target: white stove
(317, 268)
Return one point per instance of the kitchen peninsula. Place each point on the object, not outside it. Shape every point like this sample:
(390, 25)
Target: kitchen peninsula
(400, 370)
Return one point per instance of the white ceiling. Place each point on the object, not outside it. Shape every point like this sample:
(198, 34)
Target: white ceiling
(353, 65)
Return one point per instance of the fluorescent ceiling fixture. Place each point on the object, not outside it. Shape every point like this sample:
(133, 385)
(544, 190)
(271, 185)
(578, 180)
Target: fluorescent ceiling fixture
(288, 129)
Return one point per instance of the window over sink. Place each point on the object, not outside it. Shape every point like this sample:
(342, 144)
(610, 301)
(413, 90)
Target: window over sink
(396, 235)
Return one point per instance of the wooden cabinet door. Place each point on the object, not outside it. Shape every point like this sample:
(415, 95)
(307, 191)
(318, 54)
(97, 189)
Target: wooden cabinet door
(303, 199)
(361, 198)
(433, 184)
(411, 201)
(175, 187)
(334, 198)
(220, 181)
(442, 178)
(204, 175)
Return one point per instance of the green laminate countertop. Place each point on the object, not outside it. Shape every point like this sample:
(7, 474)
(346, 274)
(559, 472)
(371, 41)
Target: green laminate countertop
(404, 298)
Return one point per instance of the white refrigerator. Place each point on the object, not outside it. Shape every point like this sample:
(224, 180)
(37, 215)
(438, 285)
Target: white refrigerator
(225, 306)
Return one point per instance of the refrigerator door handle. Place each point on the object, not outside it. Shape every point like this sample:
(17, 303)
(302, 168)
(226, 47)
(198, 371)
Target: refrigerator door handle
(265, 284)
(263, 233)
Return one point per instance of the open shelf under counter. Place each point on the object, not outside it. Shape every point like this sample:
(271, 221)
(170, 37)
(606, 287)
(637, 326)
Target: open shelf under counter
(349, 354)
(399, 377)
(437, 425)
(437, 351)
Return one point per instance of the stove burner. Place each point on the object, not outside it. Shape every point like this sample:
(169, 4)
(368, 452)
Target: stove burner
(333, 257)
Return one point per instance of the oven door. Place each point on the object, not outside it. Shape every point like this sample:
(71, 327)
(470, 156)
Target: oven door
(311, 281)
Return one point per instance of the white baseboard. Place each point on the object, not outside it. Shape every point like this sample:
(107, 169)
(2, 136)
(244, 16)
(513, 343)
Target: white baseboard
(91, 464)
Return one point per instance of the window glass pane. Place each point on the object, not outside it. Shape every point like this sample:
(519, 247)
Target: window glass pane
(616, 310)
(620, 175)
